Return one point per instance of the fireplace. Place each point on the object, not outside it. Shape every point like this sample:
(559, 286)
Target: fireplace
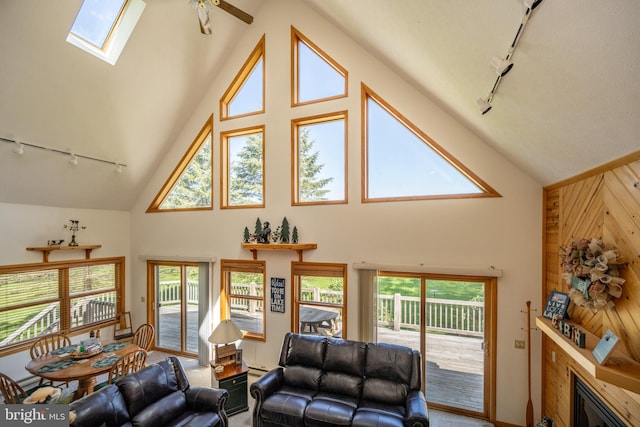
(589, 410)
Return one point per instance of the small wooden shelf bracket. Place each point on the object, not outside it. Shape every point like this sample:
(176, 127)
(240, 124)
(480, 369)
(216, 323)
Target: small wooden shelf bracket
(298, 247)
(46, 250)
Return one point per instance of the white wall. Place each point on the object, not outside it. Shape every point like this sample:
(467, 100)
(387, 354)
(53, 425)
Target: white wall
(503, 232)
(23, 226)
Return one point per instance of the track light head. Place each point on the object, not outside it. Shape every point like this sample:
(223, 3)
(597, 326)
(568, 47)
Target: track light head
(532, 4)
(73, 160)
(484, 105)
(502, 66)
(19, 148)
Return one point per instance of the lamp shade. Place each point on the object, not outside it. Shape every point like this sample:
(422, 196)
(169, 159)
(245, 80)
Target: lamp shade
(225, 332)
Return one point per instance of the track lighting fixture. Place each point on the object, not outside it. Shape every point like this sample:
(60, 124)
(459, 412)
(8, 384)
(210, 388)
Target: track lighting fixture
(503, 65)
(484, 104)
(73, 158)
(19, 148)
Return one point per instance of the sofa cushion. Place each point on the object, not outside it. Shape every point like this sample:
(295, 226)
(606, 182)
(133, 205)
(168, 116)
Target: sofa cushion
(162, 411)
(390, 362)
(147, 386)
(195, 419)
(329, 409)
(337, 382)
(306, 350)
(377, 414)
(379, 390)
(286, 406)
(345, 356)
(302, 376)
(106, 407)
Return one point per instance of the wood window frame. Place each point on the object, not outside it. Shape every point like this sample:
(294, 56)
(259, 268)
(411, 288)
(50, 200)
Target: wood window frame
(64, 297)
(295, 167)
(317, 269)
(228, 266)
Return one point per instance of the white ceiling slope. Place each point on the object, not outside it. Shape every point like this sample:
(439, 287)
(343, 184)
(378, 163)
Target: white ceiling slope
(570, 103)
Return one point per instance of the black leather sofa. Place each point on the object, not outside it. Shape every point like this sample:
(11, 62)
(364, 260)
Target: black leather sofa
(158, 395)
(323, 381)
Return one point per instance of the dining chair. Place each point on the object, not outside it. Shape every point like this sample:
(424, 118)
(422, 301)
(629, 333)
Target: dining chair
(125, 365)
(123, 328)
(11, 390)
(143, 336)
(46, 344)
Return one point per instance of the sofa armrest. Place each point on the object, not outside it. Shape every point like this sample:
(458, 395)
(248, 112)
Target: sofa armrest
(208, 399)
(417, 413)
(267, 384)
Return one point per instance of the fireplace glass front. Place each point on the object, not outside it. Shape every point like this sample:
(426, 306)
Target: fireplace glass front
(589, 410)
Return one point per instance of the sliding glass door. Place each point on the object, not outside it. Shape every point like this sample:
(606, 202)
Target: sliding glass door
(449, 319)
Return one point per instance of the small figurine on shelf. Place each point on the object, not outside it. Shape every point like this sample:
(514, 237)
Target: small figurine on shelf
(264, 235)
(246, 237)
(284, 232)
(74, 227)
(294, 236)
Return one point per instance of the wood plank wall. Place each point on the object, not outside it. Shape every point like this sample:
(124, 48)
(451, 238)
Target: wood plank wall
(604, 204)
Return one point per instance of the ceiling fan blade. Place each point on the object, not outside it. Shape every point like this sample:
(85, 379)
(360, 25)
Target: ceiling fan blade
(238, 13)
(203, 17)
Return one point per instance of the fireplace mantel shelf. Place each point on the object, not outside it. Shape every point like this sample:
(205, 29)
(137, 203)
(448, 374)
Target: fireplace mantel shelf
(621, 370)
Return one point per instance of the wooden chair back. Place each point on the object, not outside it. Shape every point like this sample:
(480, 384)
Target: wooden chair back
(123, 328)
(127, 364)
(144, 335)
(47, 343)
(11, 391)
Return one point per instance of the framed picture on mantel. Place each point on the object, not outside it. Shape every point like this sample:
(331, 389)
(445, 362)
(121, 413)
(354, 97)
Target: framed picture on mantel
(557, 305)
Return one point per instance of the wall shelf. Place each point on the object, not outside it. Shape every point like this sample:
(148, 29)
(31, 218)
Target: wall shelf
(620, 370)
(298, 247)
(46, 250)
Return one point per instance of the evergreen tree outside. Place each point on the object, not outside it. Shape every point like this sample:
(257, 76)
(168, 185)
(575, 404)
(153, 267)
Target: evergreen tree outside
(245, 171)
(193, 188)
(311, 188)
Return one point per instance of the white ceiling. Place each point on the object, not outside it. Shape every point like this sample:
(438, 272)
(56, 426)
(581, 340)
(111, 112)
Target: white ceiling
(571, 102)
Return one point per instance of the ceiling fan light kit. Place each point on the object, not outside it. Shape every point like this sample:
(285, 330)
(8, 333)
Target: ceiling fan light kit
(503, 65)
(203, 7)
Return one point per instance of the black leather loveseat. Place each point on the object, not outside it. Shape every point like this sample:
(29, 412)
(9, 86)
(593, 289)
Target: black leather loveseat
(322, 381)
(158, 395)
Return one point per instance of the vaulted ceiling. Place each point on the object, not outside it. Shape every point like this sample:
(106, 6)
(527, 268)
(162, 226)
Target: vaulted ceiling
(570, 103)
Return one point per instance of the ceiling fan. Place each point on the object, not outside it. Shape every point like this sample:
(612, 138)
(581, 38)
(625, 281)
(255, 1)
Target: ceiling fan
(203, 7)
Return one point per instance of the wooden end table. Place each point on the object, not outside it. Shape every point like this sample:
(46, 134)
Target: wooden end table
(233, 379)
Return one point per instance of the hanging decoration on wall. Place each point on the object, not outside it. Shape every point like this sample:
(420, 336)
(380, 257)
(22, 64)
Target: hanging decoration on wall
(263, 233)
(592, 273)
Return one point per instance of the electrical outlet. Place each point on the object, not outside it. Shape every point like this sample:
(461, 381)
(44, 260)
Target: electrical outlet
(518, 344)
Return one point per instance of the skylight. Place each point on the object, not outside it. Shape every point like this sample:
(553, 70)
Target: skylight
(102, 27)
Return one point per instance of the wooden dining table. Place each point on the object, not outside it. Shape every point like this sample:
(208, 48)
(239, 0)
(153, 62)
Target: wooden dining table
(60, 366)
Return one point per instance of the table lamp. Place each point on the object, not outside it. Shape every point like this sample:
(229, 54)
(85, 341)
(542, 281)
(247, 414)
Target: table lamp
(224, 337)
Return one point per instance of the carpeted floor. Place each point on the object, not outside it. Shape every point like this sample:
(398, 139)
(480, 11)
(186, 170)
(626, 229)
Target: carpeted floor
(201, 376)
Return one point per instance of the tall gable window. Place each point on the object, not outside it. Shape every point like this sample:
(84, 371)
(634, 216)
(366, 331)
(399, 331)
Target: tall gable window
(242, 153)
(245, 95)
(315, 76)
(103, 27)
(400, 162)
(320, 166)
(189, 186)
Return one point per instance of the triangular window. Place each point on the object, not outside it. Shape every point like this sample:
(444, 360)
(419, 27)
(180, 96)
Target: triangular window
(189, 186)
(316, 76)
(403, 163)
(245, 95)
